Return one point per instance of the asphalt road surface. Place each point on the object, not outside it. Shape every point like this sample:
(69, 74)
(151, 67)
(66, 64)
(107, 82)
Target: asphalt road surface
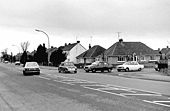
(51, 91)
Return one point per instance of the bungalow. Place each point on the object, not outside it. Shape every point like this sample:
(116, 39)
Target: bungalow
(124, 51)
(72, 51)
(90, 55)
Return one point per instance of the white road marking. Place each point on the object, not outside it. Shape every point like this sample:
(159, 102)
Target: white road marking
(161, 101)
(105, 92)
(156, 103)
(140, 94)
(63, 82)
(135, 89)
(44, 78)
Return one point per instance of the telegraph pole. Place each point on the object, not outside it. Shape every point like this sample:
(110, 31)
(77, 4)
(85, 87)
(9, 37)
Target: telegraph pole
(118, 35)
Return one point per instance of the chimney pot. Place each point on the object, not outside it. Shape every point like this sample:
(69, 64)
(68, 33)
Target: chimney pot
(78, 41)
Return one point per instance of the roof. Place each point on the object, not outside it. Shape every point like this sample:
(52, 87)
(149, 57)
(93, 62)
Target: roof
(69, 47)
(92, 52)
(165, 50)
(128, 48)
(51, 49)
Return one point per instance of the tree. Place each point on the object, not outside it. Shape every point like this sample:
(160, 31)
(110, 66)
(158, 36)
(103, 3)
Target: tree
(5, 55)
(57, 57)
(24, 46)
(24, 58)
(41, 55)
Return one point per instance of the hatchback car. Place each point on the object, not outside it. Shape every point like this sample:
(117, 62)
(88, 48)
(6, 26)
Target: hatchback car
(31, 68)
(67, 67)
(130, 66)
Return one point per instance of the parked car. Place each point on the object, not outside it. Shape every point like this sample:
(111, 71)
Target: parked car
(130, 66)
(31, 68)
(6, 62)
(67, 67)
(17, 63)
(99, 66)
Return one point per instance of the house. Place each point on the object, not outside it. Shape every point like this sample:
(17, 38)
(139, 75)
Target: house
(165, 50)
(73, 50)
(125, 51)
(90, 55)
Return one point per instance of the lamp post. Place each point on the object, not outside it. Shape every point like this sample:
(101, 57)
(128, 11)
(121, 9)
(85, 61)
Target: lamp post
(46, 35)
(19, 51)
(48, 42)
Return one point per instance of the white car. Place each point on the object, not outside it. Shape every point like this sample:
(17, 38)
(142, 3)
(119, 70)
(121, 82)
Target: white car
(31, 68)
(130, 66)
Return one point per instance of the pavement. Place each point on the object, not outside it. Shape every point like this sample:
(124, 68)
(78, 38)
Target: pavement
(146, 74)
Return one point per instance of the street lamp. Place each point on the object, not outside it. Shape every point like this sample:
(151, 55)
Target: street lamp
(48, 42)
(46, 35)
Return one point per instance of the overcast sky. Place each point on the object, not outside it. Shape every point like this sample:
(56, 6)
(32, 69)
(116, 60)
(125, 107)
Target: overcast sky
(90, 21)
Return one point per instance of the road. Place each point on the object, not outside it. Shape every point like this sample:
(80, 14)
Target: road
(52, 91)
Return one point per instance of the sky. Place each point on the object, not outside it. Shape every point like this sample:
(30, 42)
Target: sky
(95, 22)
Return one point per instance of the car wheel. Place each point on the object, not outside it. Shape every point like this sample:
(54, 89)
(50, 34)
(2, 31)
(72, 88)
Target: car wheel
(24, 73)
(127, 69)
(87, 70)
(75, 71)
(93, 70)
(38, 73)
(118, 70)
(109, 70)
(139, 69)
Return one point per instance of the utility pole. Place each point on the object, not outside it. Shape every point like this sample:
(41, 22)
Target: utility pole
(118, 35)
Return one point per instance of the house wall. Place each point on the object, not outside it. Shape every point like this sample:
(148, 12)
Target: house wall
(74, 52)
(146, 58)
(88, 60)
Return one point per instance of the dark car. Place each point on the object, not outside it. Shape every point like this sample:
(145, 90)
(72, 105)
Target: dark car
(67, 67)
(99, 66)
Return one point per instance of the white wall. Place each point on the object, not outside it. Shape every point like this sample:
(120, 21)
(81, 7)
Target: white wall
(74, 52)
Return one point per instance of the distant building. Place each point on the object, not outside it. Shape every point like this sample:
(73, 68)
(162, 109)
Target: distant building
(90, 55)
(130, 51)
(73, 50)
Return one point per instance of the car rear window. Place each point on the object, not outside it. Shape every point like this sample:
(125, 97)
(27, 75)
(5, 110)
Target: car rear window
(31, 64)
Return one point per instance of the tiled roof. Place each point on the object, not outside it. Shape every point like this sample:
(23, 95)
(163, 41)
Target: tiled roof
(69, 47)
(92, 52)
(128, 48)
(165, 50)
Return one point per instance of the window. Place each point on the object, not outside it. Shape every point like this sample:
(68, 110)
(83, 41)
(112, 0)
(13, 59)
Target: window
(121, 58)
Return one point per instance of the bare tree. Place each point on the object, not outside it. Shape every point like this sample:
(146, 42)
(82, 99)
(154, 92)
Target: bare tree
(24, 46)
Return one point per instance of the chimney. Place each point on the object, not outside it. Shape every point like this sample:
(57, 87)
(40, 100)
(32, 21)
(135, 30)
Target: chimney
(120, 40)
(89, 46)
(159, 49)
(78, 41)
(167, 47)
